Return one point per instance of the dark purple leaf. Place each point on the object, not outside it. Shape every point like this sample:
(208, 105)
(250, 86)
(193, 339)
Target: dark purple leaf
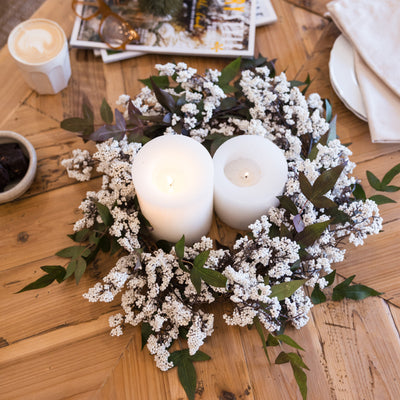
(106, 132)
(120, 120)
(163, 97)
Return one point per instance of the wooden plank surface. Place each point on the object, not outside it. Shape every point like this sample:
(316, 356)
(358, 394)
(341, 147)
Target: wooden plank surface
(55, 345)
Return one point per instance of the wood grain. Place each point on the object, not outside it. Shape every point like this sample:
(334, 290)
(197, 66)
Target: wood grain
(55, 345)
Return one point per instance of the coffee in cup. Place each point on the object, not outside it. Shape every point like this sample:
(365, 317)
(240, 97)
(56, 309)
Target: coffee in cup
(40, 48)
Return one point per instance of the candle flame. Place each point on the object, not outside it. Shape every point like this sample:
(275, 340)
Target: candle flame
(246, 175)
(170, 182)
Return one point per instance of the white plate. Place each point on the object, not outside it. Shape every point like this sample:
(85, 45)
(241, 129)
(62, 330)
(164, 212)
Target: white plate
(343, 77)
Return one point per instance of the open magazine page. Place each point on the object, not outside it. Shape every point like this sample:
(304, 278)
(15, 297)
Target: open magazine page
(203, 27)
(265, 14)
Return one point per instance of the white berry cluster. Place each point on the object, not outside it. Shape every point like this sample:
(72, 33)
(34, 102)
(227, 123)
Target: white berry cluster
(157, 291)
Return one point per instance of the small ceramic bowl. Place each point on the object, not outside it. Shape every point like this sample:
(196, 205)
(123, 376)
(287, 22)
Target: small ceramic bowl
(19, 187)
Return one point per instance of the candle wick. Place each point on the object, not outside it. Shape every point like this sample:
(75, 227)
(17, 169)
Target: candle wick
(246, 175)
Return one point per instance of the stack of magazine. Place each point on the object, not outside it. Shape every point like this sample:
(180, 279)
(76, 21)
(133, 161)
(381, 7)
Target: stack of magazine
(223, 28)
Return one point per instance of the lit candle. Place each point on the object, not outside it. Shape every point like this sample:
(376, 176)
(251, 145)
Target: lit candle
(173, 179)
(249, 172)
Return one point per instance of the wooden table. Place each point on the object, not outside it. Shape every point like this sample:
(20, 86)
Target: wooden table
(55, 345)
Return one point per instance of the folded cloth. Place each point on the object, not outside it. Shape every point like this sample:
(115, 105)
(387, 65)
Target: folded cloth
(373, 28)
(381, 103)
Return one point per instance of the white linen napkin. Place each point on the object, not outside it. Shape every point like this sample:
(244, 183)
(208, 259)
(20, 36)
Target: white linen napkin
(373, 28)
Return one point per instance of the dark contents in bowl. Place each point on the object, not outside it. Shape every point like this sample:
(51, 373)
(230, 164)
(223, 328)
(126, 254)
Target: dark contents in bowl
(13, 164)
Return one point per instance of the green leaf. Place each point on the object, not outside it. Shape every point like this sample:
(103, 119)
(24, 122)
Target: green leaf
(296, 359)
(390, 188)
(284, 232)
(301, 379)
(354, 292)
(73, 252)
(200, 356)
(70, 269)
(307, 82)
(161, 81)
(391, 174)
(227, 104)
(75, 124)
(105, 214)
(201, 259)
(146, 331)
(305, 185)
(106, 112)
(296, 265)
(272, 340)
(359, 292)
(323, 202)
(180, 247)
(42, 282)
(328, 110)
(345, 283)
(326, 181)
(56, 271)
(187, 377)
(374, 181)
(183, 332)
(317, 296)
(80, 269)
(286, 289)
(212, 277)
(332, 130)
(80, 236)
(330, 277)
(296, 83)
(94, 238)
(105, 244)
(228, 74)
(289, 341)
(381, 199)
(338, 216)
(297, 365)
(311, 233)
(218, 141)
(87, 113)
(282, 358)
(288, 204)
(115, 246)
(177, 356)
(196, 279)
(260, 332)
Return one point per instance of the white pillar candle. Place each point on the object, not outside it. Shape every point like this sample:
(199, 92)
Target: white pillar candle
(249, 172)
(173, 179)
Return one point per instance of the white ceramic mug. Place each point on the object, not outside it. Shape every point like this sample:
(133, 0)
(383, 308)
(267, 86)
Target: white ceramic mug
(40, 49)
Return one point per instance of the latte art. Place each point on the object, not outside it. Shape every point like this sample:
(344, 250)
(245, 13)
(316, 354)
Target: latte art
(38, 41)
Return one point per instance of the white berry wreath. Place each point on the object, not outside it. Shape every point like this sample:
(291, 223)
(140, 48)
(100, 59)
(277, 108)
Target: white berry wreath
(274, 273)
